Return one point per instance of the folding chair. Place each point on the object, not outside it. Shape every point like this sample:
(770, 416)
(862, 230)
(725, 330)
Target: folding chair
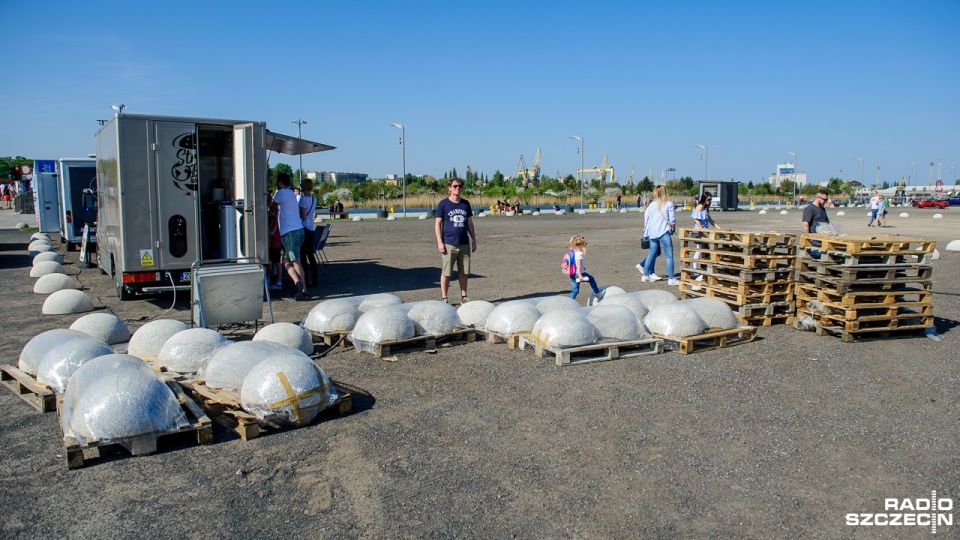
(320, 241)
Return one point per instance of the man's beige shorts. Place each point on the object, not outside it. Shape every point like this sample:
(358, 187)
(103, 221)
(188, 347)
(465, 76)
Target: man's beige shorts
(460, 254)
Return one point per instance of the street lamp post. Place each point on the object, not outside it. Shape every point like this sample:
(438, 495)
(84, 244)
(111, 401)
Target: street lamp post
(403, 151)
(705, 158)
(914, 163)
(795, 171)
(861, 170)
(580, 172)
(300, 124)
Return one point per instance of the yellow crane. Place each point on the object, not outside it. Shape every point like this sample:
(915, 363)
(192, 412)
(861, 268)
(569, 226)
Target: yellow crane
(602, 172)
(530, 176)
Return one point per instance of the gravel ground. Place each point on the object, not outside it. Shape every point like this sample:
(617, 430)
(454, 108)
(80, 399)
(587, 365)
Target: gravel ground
(779, 438)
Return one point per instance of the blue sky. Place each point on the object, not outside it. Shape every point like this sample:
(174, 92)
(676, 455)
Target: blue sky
(480, 83)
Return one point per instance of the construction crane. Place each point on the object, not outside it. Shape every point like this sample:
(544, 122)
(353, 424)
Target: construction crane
(530, 176)
(601, 172)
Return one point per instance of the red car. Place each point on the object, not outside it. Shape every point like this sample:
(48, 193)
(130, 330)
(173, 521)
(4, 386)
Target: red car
(929, 203)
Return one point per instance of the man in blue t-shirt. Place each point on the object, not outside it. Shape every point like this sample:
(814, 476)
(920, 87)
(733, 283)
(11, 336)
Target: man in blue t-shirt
(456, 238)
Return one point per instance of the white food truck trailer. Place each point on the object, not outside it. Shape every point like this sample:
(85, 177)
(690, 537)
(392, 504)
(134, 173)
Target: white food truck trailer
(173, 191)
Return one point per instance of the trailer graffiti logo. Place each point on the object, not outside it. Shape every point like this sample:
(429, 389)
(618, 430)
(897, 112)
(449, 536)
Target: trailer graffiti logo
(184, 171)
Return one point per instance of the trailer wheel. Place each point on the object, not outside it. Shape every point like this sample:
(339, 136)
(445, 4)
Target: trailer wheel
(99, 266)
(123, 293)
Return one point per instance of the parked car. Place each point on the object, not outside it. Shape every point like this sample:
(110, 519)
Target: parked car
(953, 201)
(929, 203)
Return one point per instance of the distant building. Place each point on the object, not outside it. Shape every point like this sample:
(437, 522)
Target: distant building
(786, 171)
(335, 178)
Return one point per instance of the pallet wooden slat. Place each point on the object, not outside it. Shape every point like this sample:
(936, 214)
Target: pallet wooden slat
(512, 340)
(713, 339)
(734, 296)
(693, 267)
(329, 339)
(24, 385)
(735, 259)
(602, 351)
(419, 343)
(887, 244)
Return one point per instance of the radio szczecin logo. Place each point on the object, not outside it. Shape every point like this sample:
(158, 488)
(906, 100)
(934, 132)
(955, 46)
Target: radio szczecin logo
(933, 512)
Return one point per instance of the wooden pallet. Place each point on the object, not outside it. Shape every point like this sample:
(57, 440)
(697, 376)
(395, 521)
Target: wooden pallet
(21, 383)
(738, 296)
(884, 244)
(737, 260)
(872, 323)
(512, 340)
(746, 275)
(418, 343)
(891, 272)
(596, 352)
(330, 339)
(903, 297)
(865, 311)
(713, 339)
(843, 286)
(225, 408)
(770, 320)
(848, 336)
(739, 238)
(200, 429)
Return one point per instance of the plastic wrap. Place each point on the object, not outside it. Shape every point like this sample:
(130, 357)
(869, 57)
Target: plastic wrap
(513, 317)
(554, 303)
(116, 396)
(289, 388)
(715, 313)
(338, 315)
(675, 320)
(147, 340)
(652, 298)
(434, 318)
(366, 302)
(106, 327)
(189, 349)
(228, 366)
(35, 349)
(380, 325)
(629, 301)
(475, 312)
(616, 322)
(61, 361)
(288, 335)
(828, 229)
(564, 328)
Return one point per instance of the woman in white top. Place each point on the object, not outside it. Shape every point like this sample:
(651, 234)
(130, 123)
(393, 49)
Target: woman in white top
(701, 222)
(659, 221)
(308, 207)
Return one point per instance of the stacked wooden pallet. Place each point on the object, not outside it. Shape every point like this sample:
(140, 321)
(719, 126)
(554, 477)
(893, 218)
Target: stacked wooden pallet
(865, 286)
(752, 272)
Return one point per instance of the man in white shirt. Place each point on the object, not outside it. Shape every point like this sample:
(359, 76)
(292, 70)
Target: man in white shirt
(874, 207)
(291, 233)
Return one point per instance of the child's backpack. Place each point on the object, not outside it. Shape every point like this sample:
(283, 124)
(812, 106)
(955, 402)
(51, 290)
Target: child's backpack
(568, 266)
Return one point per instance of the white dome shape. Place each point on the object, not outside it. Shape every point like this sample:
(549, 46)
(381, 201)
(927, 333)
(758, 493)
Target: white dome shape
(904, 215)
(38, 347)
(367, 302)
(554, 303)
(21, 225)
(953, 245)
(46, 267)
(37, 243)
(40, 236)
(188, 349)
(629, 301)
(715, 313)
(40, 248)
(674, 320)
(935, 256)
(48, 256)
(382, 324)
(564, 328)
(147, 340)
(616, 322)
(288, 335)
(391, 218)
(841, 213)
(613, 290)
(67, 301)
(52, 283)
(762, 213)
(475, 312)
(106, 327)
(292, 386)
(115, 396)
(434, 318)
(652, 298)
(784, 212)
(58, 365)
(938, 216)
(422, 216)
(513, 317)
(338, 315)
(228, 366)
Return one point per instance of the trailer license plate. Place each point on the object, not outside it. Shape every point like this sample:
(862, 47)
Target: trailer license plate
(185, 277)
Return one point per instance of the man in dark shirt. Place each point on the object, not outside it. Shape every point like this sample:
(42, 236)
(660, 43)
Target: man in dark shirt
(456, 238)
(814, 215)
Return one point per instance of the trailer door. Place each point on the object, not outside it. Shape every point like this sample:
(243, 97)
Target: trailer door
(245, 189)
(175, 152)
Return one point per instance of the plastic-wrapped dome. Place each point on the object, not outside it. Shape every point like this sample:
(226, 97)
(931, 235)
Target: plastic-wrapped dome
(52, 283)
(66, 301)
(612, 290)
(48, 256)
(229, 365)
(293, 387)
(652, 298)
(675, 320)
(38, 347)
(553, 303)
(564, 328)
(513, 317)
(147, 340)
(474, 313)
(106, 327)
(616, 322)
(383, 324)
(115, 396)
(337, 315)
(46, 267)
(715, 313)
(59, 363)
(187, 350)
(433, 318)
(288, 335)
(367, 302)
(629, 301)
